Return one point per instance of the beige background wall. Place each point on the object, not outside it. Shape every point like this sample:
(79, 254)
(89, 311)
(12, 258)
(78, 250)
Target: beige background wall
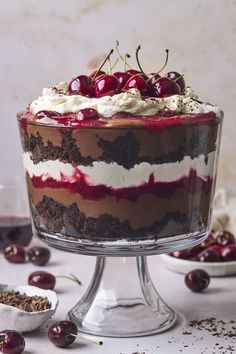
(43, 42)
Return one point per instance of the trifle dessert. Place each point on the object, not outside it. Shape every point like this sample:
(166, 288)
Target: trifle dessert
(122, 156)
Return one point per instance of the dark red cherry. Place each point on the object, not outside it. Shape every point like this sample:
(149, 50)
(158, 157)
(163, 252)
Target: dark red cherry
(133, 72)
(42, 280)
(82, 85)
(208, 256)
(228, 253)
(14, 253)
(11, 342)
(39, 255)
(97, 73)
(209, 241)
(183, 254)
(225, 238)
(216, 248)
(87, 113)
(197, 280)
(47, 114)
(139, 83)
(123, 77)
(174, 76)
(153, 77)
(107, 85)
(165, 87)
(62, 333)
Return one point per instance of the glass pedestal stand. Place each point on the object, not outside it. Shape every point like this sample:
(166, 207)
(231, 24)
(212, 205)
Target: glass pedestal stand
(121, 300)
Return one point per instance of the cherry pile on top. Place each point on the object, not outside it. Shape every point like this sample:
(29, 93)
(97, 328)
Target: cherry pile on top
(218, 247)
(99, 83)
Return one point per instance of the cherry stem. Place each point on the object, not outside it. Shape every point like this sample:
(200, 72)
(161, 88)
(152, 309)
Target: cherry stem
(103, 63)
(71, 277)
(121, 56)
(87, 340)
(127, 56)
(177, 78)
(221, 223)
(162, 68)
(114, 64)
(137, 58)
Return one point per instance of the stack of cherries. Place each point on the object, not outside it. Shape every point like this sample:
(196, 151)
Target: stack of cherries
(98, 84)
(217, 247)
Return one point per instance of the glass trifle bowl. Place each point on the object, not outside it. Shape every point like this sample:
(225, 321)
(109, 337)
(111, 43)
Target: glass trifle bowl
(121, 177)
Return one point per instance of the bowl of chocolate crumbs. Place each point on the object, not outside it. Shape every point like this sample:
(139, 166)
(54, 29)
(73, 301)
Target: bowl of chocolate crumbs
(25, 308)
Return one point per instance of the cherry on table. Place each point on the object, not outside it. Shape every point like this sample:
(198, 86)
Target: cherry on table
(39, 255)
(208, 255)
(87, 114)
(82, 85)
(43, 280)
(164, 87)
(107, 85)
(228, 253)
(225, 238)
(62, 333)
(174, 76)
(14, 253)
(197, 280)
(11, 342)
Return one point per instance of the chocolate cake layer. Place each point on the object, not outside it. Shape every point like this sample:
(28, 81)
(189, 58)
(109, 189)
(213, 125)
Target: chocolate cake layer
(126, 147)
(51, 216)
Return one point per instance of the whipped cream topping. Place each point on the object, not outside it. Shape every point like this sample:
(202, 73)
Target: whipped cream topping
(116, 176)
(56, 99)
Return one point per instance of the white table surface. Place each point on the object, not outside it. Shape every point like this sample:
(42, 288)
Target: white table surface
(218, 301)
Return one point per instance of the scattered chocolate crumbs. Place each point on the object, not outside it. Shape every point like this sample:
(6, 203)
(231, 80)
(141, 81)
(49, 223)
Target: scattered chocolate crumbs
(24, 302)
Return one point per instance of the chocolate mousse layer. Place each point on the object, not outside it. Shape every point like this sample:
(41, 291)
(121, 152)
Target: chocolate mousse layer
(150, 210)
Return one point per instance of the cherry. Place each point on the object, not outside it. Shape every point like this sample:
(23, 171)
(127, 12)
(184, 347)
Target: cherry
(228, 253)
(209, 241)
(132, 72)
(183, 254)
(176, 77)
(42, 280)
(11, 342)
(95, 74)
(14, 253)
(62, 333)
(153, 77)
(82, 85)
(87, 113)
(107, 85)
(47, 114)
(216, 248)
(39, 255)
(138, 82)
(225, 238)
(208, 256)
(123, 77)
(165, 87)
(197, 280)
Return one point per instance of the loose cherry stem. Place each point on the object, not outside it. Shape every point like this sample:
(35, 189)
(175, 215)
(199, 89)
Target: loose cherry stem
(137, 58)
(103, 63)
(71, 277)
(163, 67)
(121, 56)
(87, 340)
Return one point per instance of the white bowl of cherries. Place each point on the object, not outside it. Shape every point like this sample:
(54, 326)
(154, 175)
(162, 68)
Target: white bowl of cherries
(216, 255)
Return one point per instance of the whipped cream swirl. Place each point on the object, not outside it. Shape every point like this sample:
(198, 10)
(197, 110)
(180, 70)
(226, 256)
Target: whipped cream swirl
(56, 99)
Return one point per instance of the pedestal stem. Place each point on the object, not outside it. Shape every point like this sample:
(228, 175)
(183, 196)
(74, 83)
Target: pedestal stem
(121, 301)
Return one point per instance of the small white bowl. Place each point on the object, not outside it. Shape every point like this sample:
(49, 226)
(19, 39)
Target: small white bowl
(23, 321)
(214, 269)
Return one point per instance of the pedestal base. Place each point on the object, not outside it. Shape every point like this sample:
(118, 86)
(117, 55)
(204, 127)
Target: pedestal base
(122, 301)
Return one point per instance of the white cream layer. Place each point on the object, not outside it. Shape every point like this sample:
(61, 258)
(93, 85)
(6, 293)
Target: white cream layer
(116, 176)
(56, 99)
